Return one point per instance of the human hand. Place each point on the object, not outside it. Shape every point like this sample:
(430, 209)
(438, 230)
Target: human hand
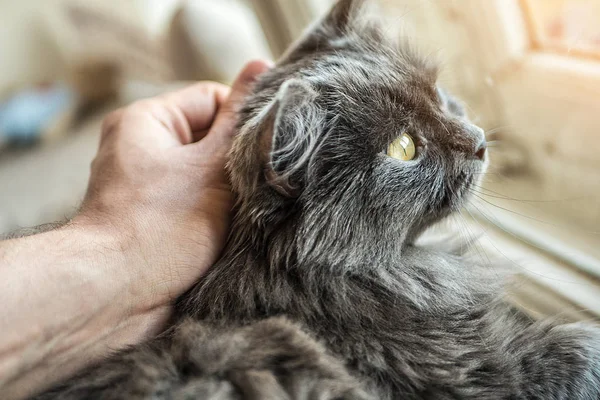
(158, 185)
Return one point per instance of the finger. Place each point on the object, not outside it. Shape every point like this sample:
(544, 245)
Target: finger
(198, 103)
(222, 132)
(199, 135)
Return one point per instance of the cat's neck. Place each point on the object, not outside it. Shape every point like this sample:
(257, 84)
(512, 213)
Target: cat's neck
(249, 283)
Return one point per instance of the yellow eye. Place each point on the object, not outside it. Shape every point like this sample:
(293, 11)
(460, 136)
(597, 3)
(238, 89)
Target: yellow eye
(402, 148)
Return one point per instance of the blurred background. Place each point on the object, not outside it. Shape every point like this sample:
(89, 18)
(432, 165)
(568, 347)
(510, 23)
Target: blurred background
(529, 71)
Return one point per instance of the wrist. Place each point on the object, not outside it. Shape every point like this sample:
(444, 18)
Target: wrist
(135, 249)
(119, 260)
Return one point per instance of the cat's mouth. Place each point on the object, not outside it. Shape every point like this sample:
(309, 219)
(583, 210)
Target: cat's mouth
(458, 189)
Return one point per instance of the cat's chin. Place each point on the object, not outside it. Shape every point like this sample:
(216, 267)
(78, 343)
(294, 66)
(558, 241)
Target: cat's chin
(480, 173)
(484, 164)
(461, 197)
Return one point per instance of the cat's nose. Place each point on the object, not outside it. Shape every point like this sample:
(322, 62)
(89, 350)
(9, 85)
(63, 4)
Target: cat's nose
(481, 147)
(480, 150)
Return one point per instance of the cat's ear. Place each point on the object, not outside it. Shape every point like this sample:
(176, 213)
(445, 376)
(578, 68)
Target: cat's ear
(344, 17)
(291, 132)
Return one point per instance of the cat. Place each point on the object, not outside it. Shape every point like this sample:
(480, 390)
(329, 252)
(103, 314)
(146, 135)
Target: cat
(322, 291)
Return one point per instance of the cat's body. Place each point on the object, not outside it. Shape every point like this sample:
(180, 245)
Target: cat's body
(411, 333)
(323, 236)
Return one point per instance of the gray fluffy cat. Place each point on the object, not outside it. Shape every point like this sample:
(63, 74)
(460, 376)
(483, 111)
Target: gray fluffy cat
(321, 292)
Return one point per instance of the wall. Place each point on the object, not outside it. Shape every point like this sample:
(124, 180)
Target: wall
(27, 53)
(22, 45)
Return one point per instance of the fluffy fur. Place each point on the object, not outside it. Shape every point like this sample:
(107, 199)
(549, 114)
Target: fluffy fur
(324, 236)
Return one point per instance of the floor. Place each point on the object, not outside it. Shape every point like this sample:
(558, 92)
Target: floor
(47, 183)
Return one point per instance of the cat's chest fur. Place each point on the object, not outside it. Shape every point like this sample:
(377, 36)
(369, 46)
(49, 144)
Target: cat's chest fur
(391, 323)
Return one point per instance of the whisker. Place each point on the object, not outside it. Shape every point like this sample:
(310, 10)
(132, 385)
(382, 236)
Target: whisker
(480, 250)
(521, 240)
(527, 216)
(493, 131)
(497, 195)
(530, 200)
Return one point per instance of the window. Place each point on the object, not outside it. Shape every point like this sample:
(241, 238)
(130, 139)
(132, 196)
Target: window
(568, 26)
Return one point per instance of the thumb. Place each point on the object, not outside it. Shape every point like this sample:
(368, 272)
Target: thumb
(222, 132)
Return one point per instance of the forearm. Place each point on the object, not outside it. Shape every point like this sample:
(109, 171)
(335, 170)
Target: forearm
(66, 303)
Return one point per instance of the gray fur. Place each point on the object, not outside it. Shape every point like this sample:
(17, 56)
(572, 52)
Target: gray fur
(324, 234)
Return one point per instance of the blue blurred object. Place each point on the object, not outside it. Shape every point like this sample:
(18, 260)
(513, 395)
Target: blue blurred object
(25, 116)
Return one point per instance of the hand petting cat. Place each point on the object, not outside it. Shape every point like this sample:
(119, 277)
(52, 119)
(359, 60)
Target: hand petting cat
(154, 219)
(159, 184)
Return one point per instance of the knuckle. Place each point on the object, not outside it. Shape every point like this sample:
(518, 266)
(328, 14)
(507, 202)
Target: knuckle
(111, 122)
(140, 106)
(114, 120)
(209, 86)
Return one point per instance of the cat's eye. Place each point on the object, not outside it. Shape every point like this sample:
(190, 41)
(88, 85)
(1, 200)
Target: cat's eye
(403, 148)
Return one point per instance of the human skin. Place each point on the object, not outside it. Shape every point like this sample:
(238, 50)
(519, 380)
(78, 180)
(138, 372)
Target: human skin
(154, 219)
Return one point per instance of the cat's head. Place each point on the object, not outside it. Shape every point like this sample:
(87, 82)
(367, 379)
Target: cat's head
(311, 165)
